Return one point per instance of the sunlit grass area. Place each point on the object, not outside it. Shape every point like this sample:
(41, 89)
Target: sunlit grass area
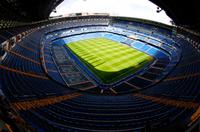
(107, 59)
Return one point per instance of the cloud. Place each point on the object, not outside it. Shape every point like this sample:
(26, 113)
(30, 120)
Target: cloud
(131, 8)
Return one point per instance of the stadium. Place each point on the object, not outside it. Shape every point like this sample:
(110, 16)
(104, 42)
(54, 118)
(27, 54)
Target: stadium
(98, 72)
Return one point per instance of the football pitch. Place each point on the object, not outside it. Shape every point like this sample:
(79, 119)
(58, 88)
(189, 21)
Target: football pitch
(108, 60)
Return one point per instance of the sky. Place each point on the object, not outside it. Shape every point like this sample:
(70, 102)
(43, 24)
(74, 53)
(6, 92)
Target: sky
(130, 8)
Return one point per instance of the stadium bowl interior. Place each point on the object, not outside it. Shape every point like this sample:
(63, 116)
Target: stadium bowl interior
(98, 72)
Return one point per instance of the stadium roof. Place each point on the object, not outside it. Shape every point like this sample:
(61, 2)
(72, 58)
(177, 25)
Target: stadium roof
(185, 13)
(28, 10)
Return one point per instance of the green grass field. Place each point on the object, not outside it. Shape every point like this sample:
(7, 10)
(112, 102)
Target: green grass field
(107, 59)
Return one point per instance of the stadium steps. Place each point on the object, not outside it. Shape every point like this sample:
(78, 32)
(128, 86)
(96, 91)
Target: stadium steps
(24, 57)
(20, 64)
(83, 85)
(139, 82)
(100, 116)
(37, 103)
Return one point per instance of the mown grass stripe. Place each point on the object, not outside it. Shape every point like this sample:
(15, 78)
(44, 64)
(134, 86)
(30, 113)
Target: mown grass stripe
(107, 59)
